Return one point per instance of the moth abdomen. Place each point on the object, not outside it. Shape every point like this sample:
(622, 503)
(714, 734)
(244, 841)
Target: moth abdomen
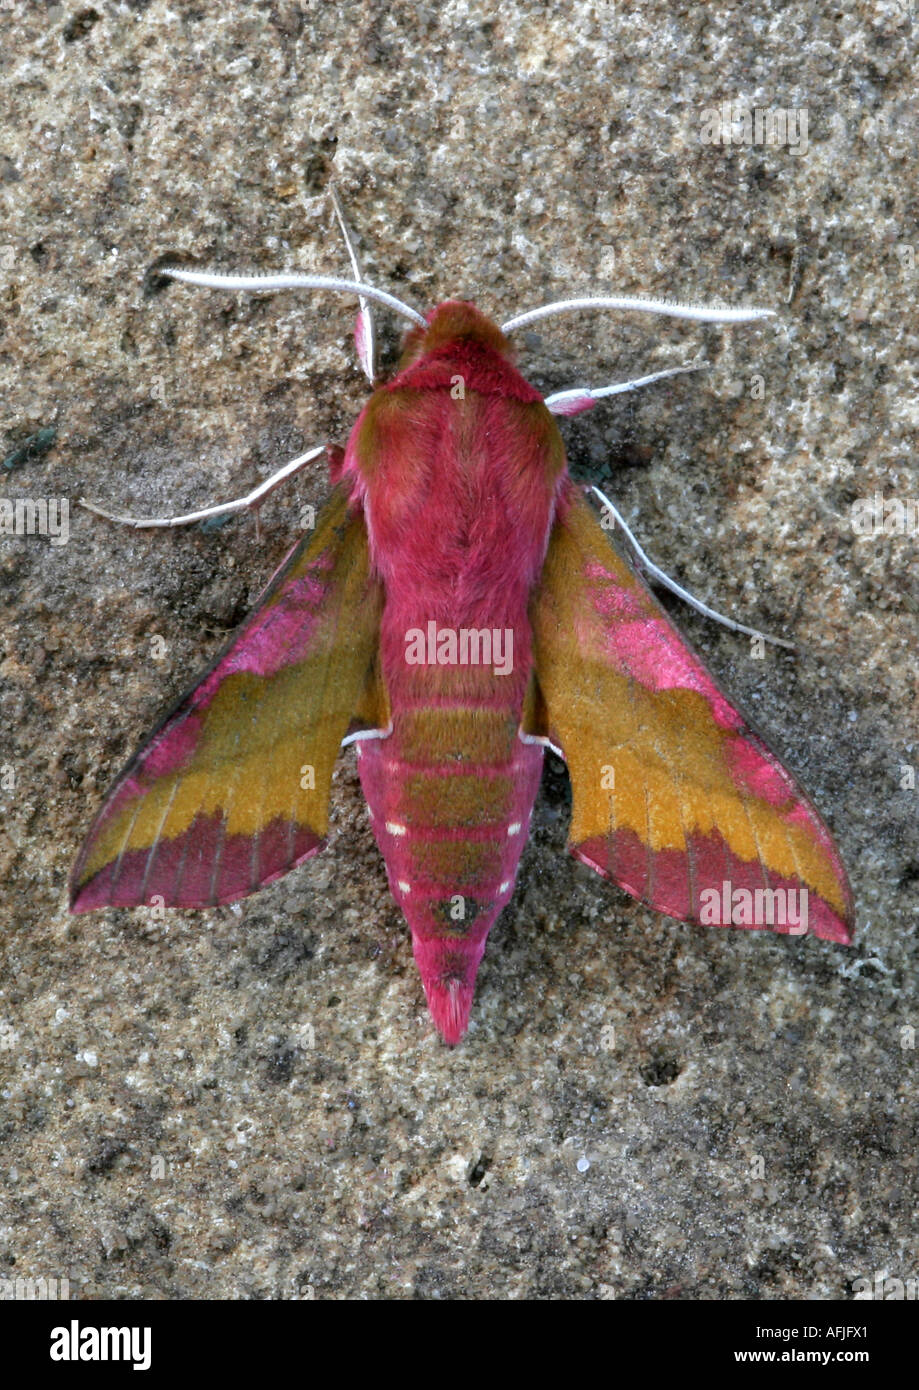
(451, 833)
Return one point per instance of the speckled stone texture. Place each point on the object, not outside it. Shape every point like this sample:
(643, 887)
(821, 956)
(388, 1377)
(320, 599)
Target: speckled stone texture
(252, 1102)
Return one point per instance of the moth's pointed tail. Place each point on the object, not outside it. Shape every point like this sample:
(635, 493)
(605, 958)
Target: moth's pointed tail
(448, 970)
(450, 1004)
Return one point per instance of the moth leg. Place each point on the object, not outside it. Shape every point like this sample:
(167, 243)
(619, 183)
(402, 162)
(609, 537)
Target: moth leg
(252, 500)
(654, 572)
(585, 397)
(364, 331)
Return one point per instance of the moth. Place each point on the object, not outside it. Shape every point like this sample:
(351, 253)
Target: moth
(460, 606)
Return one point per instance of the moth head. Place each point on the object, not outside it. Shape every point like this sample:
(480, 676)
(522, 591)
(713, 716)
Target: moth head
(455, 322)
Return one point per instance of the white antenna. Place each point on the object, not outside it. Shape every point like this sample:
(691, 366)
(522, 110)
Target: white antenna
(698, 313)
(292, 282)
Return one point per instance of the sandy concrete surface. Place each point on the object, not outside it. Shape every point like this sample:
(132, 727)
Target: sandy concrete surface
(251, 1102)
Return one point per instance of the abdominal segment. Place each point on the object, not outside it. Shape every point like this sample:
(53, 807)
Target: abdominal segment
(451, 792)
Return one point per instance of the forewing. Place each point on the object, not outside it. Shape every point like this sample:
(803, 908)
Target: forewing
(232, 789)
(674, 795)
